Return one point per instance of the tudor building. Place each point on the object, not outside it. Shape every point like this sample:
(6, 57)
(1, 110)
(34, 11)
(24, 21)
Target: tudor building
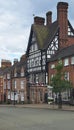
(44, 42)
(40, 47)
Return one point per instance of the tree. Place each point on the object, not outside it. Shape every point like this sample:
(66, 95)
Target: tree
(59, 83)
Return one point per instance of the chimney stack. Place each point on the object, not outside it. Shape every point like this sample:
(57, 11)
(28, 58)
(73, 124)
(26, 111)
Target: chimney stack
(62, 19)
(48, 18)
(15, 61)
(5, 63)
(39, 20)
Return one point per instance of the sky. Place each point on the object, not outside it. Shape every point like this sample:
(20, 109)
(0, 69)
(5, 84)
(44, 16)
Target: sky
(16, 18)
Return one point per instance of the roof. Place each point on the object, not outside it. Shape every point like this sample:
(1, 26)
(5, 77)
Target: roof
(11, 68)
(65, 52)
(5, 70)
(44, 34)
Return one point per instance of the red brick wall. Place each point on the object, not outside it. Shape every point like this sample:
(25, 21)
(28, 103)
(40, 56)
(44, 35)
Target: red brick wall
(69, 68)
(62, 19)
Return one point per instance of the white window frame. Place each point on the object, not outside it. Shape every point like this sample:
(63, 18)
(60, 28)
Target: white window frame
(22, 84)
(72, 60)
(8, 76)
(22, 74)
(52, 66)
(66, 62)
(37, 78)
(66, 76)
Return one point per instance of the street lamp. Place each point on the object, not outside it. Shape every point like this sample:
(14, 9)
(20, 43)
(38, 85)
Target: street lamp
(14, 92)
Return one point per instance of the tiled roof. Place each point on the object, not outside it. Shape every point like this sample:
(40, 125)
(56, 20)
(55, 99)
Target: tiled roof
(44, 34)
(9, 69)
(65, 52)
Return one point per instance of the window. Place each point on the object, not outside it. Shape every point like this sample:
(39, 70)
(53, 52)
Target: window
(4, 85)
(37, 78)
(8, 76)
(52, 76)
(22, 74)
(15, 74)
(72, 60)
(43, 61)
(22, 84)
(36, 47)
(15, 84)
(66, 76)
(52, 66)
(8, 84)
(22, 96)
(66, 62)
(46, 78)
(65, 95)
(4, 76)
(9, 94)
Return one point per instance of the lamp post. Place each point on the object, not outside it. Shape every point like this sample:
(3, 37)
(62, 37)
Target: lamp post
(14, 92)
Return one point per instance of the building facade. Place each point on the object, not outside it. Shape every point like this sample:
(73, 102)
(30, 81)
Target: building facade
(65, 52)
(44, 42)
(14, 82)
(27, 80)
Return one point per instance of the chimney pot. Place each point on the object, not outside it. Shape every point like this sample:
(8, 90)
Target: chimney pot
(15, 61)
(39, 20)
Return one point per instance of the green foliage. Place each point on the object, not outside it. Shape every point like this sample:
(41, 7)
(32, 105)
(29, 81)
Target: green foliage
(58, 82)
(59, 67)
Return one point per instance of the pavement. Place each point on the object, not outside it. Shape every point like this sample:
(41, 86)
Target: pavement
(41, 106)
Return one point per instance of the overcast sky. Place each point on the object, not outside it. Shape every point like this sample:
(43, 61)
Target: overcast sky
(16, 17)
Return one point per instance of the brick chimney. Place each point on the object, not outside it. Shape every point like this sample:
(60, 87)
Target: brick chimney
(62, 19)
(48, 18)
(39, 20)
(15, 61)
(5, 63)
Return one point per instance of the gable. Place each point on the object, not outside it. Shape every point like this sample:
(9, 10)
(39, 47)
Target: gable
(43, 34)
(70, 29)
(33, 45)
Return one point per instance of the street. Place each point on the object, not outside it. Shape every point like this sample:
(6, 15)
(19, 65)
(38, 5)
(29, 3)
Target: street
(14, 118)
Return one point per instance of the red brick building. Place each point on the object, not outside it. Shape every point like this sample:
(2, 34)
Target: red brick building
(65, 51)
(5, 64)
(1, 89)
(13, 84)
